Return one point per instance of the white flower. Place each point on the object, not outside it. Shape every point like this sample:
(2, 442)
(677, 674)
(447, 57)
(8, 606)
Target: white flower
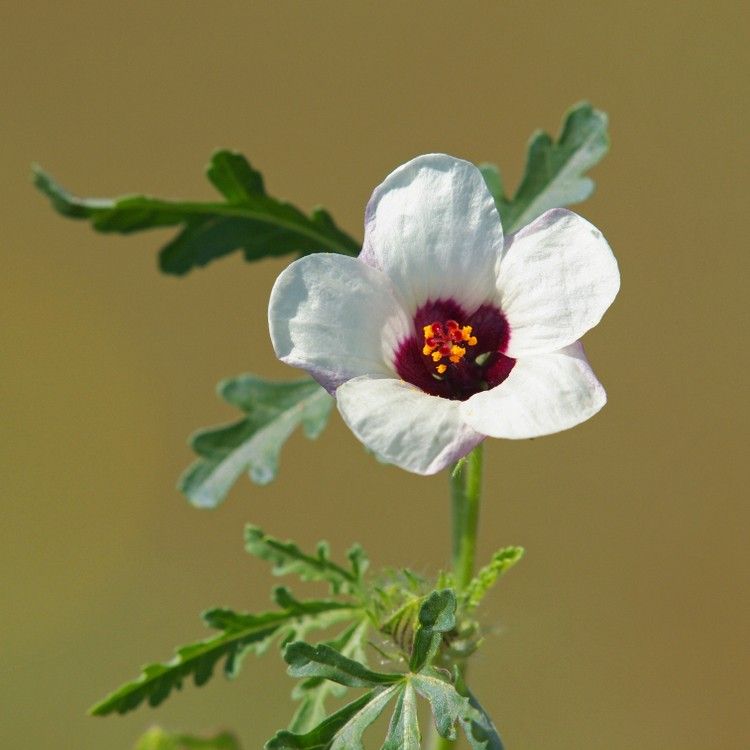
(442, 332)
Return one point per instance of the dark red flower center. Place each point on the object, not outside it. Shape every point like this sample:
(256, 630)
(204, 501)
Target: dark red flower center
(455, 354)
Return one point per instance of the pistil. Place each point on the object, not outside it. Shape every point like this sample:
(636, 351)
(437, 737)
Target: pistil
(444, 341)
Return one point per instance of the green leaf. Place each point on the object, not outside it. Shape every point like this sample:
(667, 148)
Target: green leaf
(323, 661)
(437, 615)
(479, 729)
(555, 170)
(359, 561)
(287, 558)
(158, 739)
(231, 174)
(343, 729)
(502, 560)
(309, 607)
(403, 730)
(198, 660)
(241, 633)
(253, 444)
(449, 707)
(249, 220)
(314, 691)
(349, 737)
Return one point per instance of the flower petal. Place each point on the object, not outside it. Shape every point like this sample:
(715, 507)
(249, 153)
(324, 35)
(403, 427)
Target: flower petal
(543, 394)
(556, 280)
(336, 318)
(432, 227)
(404, 426)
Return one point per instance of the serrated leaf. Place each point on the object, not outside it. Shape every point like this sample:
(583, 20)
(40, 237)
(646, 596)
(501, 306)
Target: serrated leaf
(288, 558)
(157, 739)
(240, 634)
(555, 173)
(347, 723)
(501, 561)
(253, 444)
(198, 660)
(437, 615)
(250, 220)
(325, 662)
(403, 730)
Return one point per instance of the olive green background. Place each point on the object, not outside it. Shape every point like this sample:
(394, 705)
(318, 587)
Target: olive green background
(626, 625)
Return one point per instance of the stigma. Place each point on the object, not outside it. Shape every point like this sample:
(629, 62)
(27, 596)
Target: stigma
(446, 341)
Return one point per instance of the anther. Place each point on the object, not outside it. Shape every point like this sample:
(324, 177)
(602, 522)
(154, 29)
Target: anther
(443, 339)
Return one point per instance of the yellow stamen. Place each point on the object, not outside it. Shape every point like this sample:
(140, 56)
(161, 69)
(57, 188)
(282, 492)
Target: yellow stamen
(472, 341)
(436, 356)
(441, 369)
(428, 332)
(466, 333)
(427, 350)
(457, 353)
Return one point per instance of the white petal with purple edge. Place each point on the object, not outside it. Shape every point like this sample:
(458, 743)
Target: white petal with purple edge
(557, 278)
(544, 393)
(336, 318)
(405, 426)
(432, 227)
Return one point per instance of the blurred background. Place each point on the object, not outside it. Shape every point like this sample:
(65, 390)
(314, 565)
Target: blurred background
(626, 624)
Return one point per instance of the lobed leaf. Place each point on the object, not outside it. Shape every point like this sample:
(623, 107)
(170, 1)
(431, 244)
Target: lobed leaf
(314, 691)
(451, 703)
(479, 728)
(241, 633)
(325, 662)
(450, 708)
(555, 170)
(349, 737)
(502, 560)
(403, 730)
(198, 660)
(250, 220)
(347, 723)
(288, 558)
(253, 444)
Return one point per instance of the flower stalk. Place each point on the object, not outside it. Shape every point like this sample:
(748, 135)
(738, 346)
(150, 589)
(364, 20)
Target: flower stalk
(466, 492)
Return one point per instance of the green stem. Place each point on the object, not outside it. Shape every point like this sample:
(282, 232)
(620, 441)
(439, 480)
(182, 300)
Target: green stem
(466, 491)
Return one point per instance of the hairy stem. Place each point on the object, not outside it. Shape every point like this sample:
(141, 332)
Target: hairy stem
(466, 491)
